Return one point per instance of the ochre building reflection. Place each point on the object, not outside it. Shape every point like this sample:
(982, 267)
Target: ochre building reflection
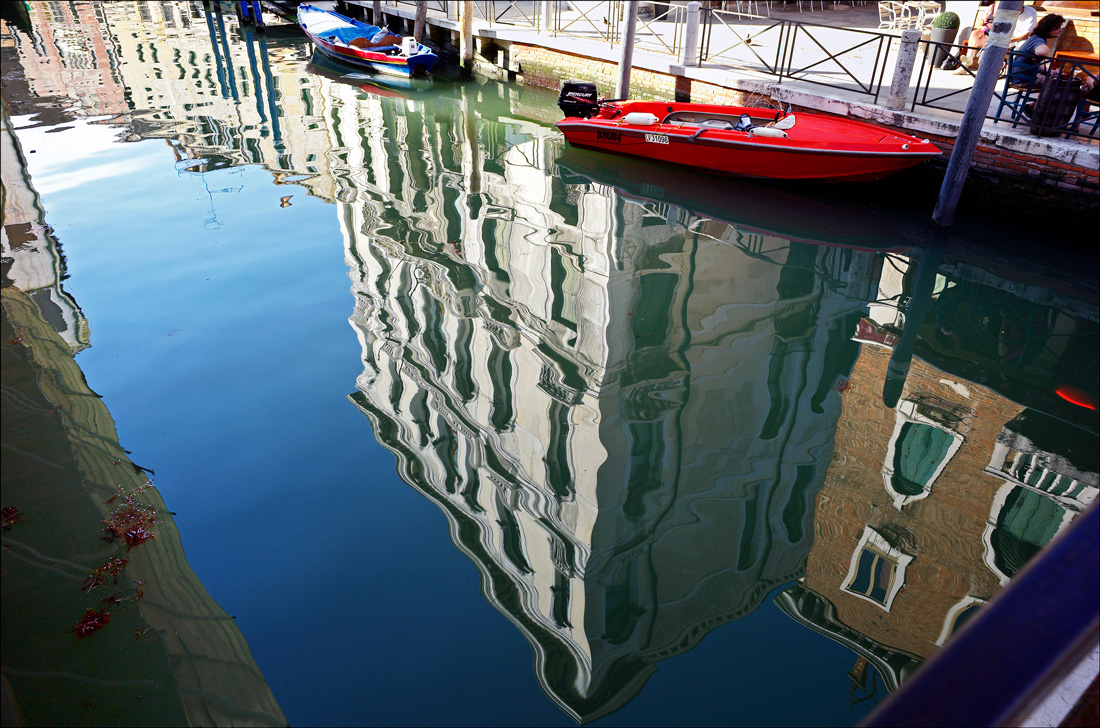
(929, 507)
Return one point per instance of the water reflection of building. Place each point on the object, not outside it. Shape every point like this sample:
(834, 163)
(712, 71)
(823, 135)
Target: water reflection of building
(929, 507)
(70, 53)
(32, 260)
(172, 656)
(175, 70)
(551, 366)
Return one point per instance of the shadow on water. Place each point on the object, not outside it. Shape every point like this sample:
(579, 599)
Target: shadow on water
(649, 403)
(104, 621)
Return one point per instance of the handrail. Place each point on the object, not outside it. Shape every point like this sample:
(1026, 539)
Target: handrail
(645, 30)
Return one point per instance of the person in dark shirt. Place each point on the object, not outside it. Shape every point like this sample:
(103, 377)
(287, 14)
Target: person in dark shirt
(1026, 67)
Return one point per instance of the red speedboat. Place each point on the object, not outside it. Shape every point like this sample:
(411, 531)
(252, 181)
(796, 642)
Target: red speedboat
(742, 141)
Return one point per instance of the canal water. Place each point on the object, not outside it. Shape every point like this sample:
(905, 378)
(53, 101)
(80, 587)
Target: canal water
(445, 423)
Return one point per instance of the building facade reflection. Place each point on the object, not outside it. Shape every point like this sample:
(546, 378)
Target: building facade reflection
(221, 95)
(563, 366)
(929, 507)
(550, 363)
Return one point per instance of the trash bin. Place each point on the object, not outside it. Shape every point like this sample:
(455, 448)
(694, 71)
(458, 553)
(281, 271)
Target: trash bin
(1054, 109)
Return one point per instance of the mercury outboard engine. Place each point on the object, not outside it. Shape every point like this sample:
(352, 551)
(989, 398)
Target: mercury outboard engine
(578, 99)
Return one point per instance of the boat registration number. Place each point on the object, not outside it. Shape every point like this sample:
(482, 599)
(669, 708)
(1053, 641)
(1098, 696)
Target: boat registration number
(657, 138)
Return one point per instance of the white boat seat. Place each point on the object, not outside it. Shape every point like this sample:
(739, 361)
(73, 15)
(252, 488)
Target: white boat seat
(711, 120)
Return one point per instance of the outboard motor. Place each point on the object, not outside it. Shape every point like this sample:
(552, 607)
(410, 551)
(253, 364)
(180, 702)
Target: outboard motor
(578, 99)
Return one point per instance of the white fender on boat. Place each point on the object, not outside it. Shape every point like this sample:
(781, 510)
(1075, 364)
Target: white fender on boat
(640, 118)
(767, 131)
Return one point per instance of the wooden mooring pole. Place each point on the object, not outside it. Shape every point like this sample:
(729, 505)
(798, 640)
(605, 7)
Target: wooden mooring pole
(421, 20)
(1004, 21)
(626, 57)
(957, 168)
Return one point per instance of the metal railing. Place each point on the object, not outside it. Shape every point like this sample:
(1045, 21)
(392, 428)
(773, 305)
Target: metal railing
(524, 13)
(1055, 102)
(593, 20)
(508, 12)
(439, 6)
(819, 54)
(653, 34)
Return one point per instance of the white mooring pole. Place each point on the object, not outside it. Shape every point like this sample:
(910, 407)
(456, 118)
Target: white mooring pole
(691, 35)
(466, 36)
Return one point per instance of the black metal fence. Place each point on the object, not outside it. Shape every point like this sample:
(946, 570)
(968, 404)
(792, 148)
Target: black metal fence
(1048, 96)
(844, 58)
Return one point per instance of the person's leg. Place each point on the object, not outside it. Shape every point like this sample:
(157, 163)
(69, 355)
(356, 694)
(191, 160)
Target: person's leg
(969, 57)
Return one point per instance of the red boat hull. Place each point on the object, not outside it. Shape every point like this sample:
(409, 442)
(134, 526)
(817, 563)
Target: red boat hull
(815, 148)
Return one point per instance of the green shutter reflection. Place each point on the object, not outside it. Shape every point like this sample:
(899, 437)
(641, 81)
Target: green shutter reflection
(1027, 522)
(917, 454)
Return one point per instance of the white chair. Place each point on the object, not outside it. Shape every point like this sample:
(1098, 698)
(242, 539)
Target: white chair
(893, 15)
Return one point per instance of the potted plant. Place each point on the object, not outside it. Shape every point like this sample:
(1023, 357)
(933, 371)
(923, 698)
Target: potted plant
(945, 27)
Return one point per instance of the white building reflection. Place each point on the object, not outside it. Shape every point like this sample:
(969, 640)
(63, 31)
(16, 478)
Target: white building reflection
(220, 94)
(564, 371)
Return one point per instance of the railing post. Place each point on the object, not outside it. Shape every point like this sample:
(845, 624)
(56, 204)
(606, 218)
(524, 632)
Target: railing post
(903, 71)
(691, 35)
(548, 16)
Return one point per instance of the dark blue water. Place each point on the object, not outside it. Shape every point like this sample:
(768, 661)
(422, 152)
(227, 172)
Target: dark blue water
(448, 414)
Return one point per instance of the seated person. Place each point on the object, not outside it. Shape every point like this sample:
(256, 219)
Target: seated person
(1026, 66)
(1090, 88)
(983, 23)
(1025, 24)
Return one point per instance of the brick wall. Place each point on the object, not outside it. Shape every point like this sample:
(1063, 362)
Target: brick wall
(1080, 34)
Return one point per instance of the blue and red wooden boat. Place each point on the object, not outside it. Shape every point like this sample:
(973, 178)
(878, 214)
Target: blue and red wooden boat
(735, 140)
(363, 45)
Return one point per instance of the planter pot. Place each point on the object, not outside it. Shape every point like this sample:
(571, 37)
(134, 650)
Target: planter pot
(944, 36)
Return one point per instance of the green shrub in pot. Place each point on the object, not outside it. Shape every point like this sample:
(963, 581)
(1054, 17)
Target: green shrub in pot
(947, 20)
(945, 27)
